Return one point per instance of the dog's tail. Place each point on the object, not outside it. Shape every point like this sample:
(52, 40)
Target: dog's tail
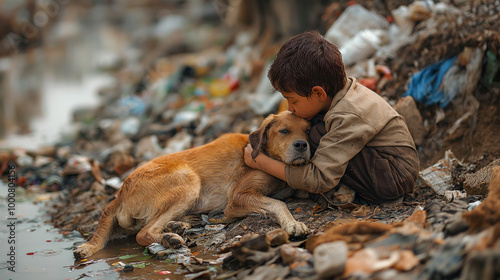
(107, 225)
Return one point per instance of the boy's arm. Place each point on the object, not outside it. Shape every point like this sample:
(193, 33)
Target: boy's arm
(265, 164)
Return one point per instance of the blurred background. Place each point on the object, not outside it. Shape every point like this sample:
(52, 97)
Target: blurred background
(60, 60)
(88, 74)
(91, 89)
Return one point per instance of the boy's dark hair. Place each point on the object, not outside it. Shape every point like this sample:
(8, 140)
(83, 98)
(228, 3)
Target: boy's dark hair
(307, 60)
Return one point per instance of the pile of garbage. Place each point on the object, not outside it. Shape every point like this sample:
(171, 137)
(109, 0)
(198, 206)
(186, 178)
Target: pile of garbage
(436, 63)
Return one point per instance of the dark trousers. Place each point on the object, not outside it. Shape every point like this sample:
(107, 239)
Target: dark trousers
(382, 174)
(376, 174)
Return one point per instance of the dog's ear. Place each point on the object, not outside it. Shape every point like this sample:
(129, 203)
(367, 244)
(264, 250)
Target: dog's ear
(258, 138)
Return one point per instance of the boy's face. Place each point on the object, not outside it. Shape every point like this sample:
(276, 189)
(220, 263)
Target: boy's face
(306, 107)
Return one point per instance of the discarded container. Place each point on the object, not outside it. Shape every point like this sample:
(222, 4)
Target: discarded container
(353, 20)
(363, 45)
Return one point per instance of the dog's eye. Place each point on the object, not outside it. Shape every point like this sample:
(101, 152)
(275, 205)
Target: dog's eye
(284, 131)
(308, 131)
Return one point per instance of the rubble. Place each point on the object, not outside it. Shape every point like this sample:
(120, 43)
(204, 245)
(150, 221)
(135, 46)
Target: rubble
(330, 259)
(477, 183)
(407, 108)
(487, 214)
(178, 85)
(438, 177)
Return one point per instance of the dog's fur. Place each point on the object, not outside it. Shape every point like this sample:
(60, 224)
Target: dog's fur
(212, 177)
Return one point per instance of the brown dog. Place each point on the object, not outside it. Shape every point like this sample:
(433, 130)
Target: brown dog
(212, 177)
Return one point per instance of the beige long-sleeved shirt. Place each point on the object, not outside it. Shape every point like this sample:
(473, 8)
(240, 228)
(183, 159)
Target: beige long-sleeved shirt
(357, 117)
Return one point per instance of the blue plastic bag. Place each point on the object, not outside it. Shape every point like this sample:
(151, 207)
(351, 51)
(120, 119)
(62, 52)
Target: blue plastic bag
(425, 86)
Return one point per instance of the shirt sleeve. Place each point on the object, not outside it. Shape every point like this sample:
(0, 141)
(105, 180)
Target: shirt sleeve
(347, 135)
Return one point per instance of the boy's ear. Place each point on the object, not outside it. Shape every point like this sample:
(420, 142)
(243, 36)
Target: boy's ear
(320, 91)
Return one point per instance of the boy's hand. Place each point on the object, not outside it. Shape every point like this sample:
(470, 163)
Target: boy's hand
(265, 164)
(249, 161)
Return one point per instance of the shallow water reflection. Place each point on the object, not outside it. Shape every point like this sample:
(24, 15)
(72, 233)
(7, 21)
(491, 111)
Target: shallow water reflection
(43, 252)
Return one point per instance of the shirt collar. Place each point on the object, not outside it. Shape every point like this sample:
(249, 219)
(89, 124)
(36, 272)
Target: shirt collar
(350, 84)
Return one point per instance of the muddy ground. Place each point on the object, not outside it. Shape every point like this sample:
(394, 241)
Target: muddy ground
(173, 98)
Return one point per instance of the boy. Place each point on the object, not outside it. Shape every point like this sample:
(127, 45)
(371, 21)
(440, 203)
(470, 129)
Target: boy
(362, 142)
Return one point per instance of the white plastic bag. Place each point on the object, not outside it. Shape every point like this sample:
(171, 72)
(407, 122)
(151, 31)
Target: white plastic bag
(362, 46)
(354, 19)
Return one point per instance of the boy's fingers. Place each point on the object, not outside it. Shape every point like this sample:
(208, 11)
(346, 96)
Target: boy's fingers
(248, 153)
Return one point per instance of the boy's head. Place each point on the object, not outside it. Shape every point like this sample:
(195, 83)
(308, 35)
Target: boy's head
(305, 61)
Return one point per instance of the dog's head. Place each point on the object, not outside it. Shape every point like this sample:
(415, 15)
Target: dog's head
(282, 137)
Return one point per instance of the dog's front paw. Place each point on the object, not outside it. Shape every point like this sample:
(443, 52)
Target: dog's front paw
(296, 229)
(177, 227)
(83, 251)
(172, 240)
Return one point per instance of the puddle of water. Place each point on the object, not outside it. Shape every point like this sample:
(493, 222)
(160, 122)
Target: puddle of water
(41, 252)
(58, 103)
(58, 100)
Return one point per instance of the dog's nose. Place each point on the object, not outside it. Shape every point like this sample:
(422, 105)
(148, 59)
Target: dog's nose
(300, 146)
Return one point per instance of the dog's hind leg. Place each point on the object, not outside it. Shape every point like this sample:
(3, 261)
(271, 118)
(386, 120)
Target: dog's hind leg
(249, 196)
(154, 229)
(102, 235)
(183, 191)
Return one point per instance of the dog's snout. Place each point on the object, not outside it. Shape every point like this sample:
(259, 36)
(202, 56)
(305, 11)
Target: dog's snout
(300, 146)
